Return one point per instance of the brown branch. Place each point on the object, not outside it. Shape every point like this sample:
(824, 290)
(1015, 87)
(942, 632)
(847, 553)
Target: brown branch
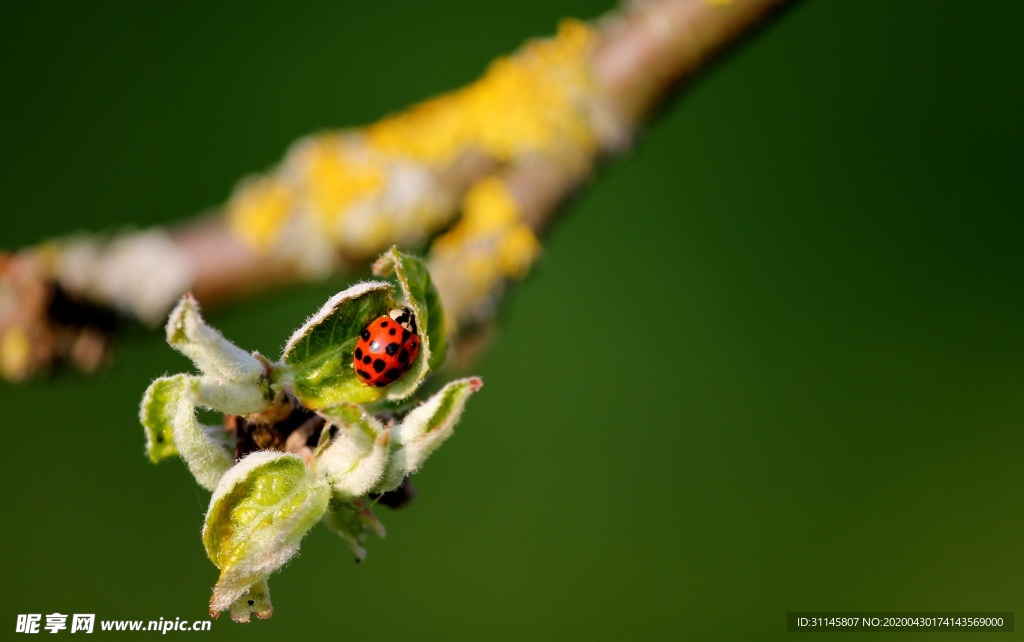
(641, 54)
(644, 55)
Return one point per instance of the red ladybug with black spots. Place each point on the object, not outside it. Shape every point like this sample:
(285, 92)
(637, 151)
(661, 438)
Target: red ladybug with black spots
(386, 348)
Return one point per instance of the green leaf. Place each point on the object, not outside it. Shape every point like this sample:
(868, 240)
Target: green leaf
(159, 404)
(258, 515)
(206, 450)
(419, 293)
(255, 601)
(207, 348)
(318, 356)
(234, 381)
(424, 429)
(231, 397)
(352, 521)
(353, 459)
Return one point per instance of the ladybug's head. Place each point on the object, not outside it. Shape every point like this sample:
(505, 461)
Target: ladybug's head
(405, 318)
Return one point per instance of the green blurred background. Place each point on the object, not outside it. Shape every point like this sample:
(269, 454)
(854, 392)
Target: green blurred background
(772, 360)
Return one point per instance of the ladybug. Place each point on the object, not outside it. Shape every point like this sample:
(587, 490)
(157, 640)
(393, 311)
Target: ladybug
(386, 348)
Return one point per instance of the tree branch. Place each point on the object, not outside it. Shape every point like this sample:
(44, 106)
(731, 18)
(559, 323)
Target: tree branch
(338, 199)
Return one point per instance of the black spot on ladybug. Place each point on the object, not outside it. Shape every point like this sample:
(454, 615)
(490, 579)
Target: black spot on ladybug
(405, 336)
(367, 359)
(391, 349)
(384, 323)
(379, 365)
(412, 345)
(403, 356)
(374, 347)
(392, 332)
(359, 353)
(393, 374)
(381, 384)
(362, 374)
(365, 334)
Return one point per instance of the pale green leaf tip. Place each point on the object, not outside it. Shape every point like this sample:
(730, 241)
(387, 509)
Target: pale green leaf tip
(156, 413)
(386, 262)
(175, 328)
(211, 353)
(424, 429)
(256, 601)
(353, 521)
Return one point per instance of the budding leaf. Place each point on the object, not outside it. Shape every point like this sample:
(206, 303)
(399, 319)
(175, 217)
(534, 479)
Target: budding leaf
(206, 347)
(264, 504)
(353, 459)
(258, 514)
(229, 397)
(424, 429)
(206, 450)
(352, 521)
(318, 356)
(255, 601)
(234, 381)
(157, 415)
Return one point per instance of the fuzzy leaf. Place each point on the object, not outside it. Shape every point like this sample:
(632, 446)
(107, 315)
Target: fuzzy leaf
(258, 514)
(255, 601)
(206, 450)
(424, 429)
(352, 522)
(206, 347)
(230, 397)
(354, 458)
(318, 356)
(419, 293)
(205, 455)
(159, 404)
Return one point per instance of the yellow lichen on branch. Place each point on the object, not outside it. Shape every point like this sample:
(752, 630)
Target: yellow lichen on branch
(349, 195)
(259, 209)
(533, 102)
(489, 245)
